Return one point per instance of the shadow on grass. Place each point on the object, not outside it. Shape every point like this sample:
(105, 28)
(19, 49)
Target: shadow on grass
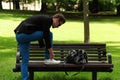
(7, 42)
(14, 14)
(7, 47)
(60, 76)
(105, 20)
(17, 78)
(114, 48)
(77, 17)
(106, 78)
(68, 42)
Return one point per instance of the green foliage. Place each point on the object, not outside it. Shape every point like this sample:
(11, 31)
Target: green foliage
(106, 5)
(48, 1)
(30, 1)
(115, 2)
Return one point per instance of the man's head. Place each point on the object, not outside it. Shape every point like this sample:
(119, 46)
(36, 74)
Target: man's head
(58, 20)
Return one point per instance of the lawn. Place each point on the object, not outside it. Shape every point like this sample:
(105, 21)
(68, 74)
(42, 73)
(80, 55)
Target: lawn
(102, 30)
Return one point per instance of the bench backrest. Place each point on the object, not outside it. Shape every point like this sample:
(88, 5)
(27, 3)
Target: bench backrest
(96, 52)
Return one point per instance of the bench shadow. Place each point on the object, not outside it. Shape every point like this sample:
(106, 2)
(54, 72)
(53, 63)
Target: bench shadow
(17, 78)
(106, 78)
(60, 76)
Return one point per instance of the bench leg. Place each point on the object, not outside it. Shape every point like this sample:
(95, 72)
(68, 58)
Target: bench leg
(94, 75)
(31, 75)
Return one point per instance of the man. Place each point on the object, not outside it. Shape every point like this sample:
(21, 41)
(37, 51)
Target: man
(37, 28)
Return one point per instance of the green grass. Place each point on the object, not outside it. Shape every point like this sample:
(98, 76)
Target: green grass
(102, 30)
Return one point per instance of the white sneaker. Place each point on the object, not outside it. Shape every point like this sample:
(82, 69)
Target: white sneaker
(52, 61)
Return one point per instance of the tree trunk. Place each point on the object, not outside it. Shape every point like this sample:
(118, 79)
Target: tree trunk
(1, 5)
(10, 4)
(43, 7)
(16, 4)
(86, 21)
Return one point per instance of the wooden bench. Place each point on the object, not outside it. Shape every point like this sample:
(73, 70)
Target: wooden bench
(97, 59)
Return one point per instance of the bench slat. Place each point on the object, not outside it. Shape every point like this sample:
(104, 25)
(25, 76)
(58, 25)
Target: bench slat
(95, 52)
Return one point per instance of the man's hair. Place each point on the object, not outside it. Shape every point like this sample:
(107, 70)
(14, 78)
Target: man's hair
(60, 16)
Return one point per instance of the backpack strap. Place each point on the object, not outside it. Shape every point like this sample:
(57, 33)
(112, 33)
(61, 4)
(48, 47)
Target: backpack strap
(74, 73)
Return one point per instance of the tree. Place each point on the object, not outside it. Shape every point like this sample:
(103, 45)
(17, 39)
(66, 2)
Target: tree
(0, 4)
(10, 4)
(94, 6)
(16, 4)
(80, 7)
(118, 10)
(117, 3)
(44, 6)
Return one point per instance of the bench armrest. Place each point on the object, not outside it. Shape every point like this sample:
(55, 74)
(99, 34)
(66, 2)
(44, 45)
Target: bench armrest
(109, 58)
(18, 57)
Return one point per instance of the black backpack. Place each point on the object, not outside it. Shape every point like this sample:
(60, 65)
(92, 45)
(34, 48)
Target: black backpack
(77, 57)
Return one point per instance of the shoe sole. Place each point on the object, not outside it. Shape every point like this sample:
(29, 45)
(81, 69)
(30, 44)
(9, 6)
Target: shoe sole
(52, 63)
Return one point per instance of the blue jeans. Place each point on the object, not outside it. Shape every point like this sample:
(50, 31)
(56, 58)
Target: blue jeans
(24, 45)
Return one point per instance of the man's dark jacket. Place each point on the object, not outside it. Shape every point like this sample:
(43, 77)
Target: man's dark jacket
(37, 23)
